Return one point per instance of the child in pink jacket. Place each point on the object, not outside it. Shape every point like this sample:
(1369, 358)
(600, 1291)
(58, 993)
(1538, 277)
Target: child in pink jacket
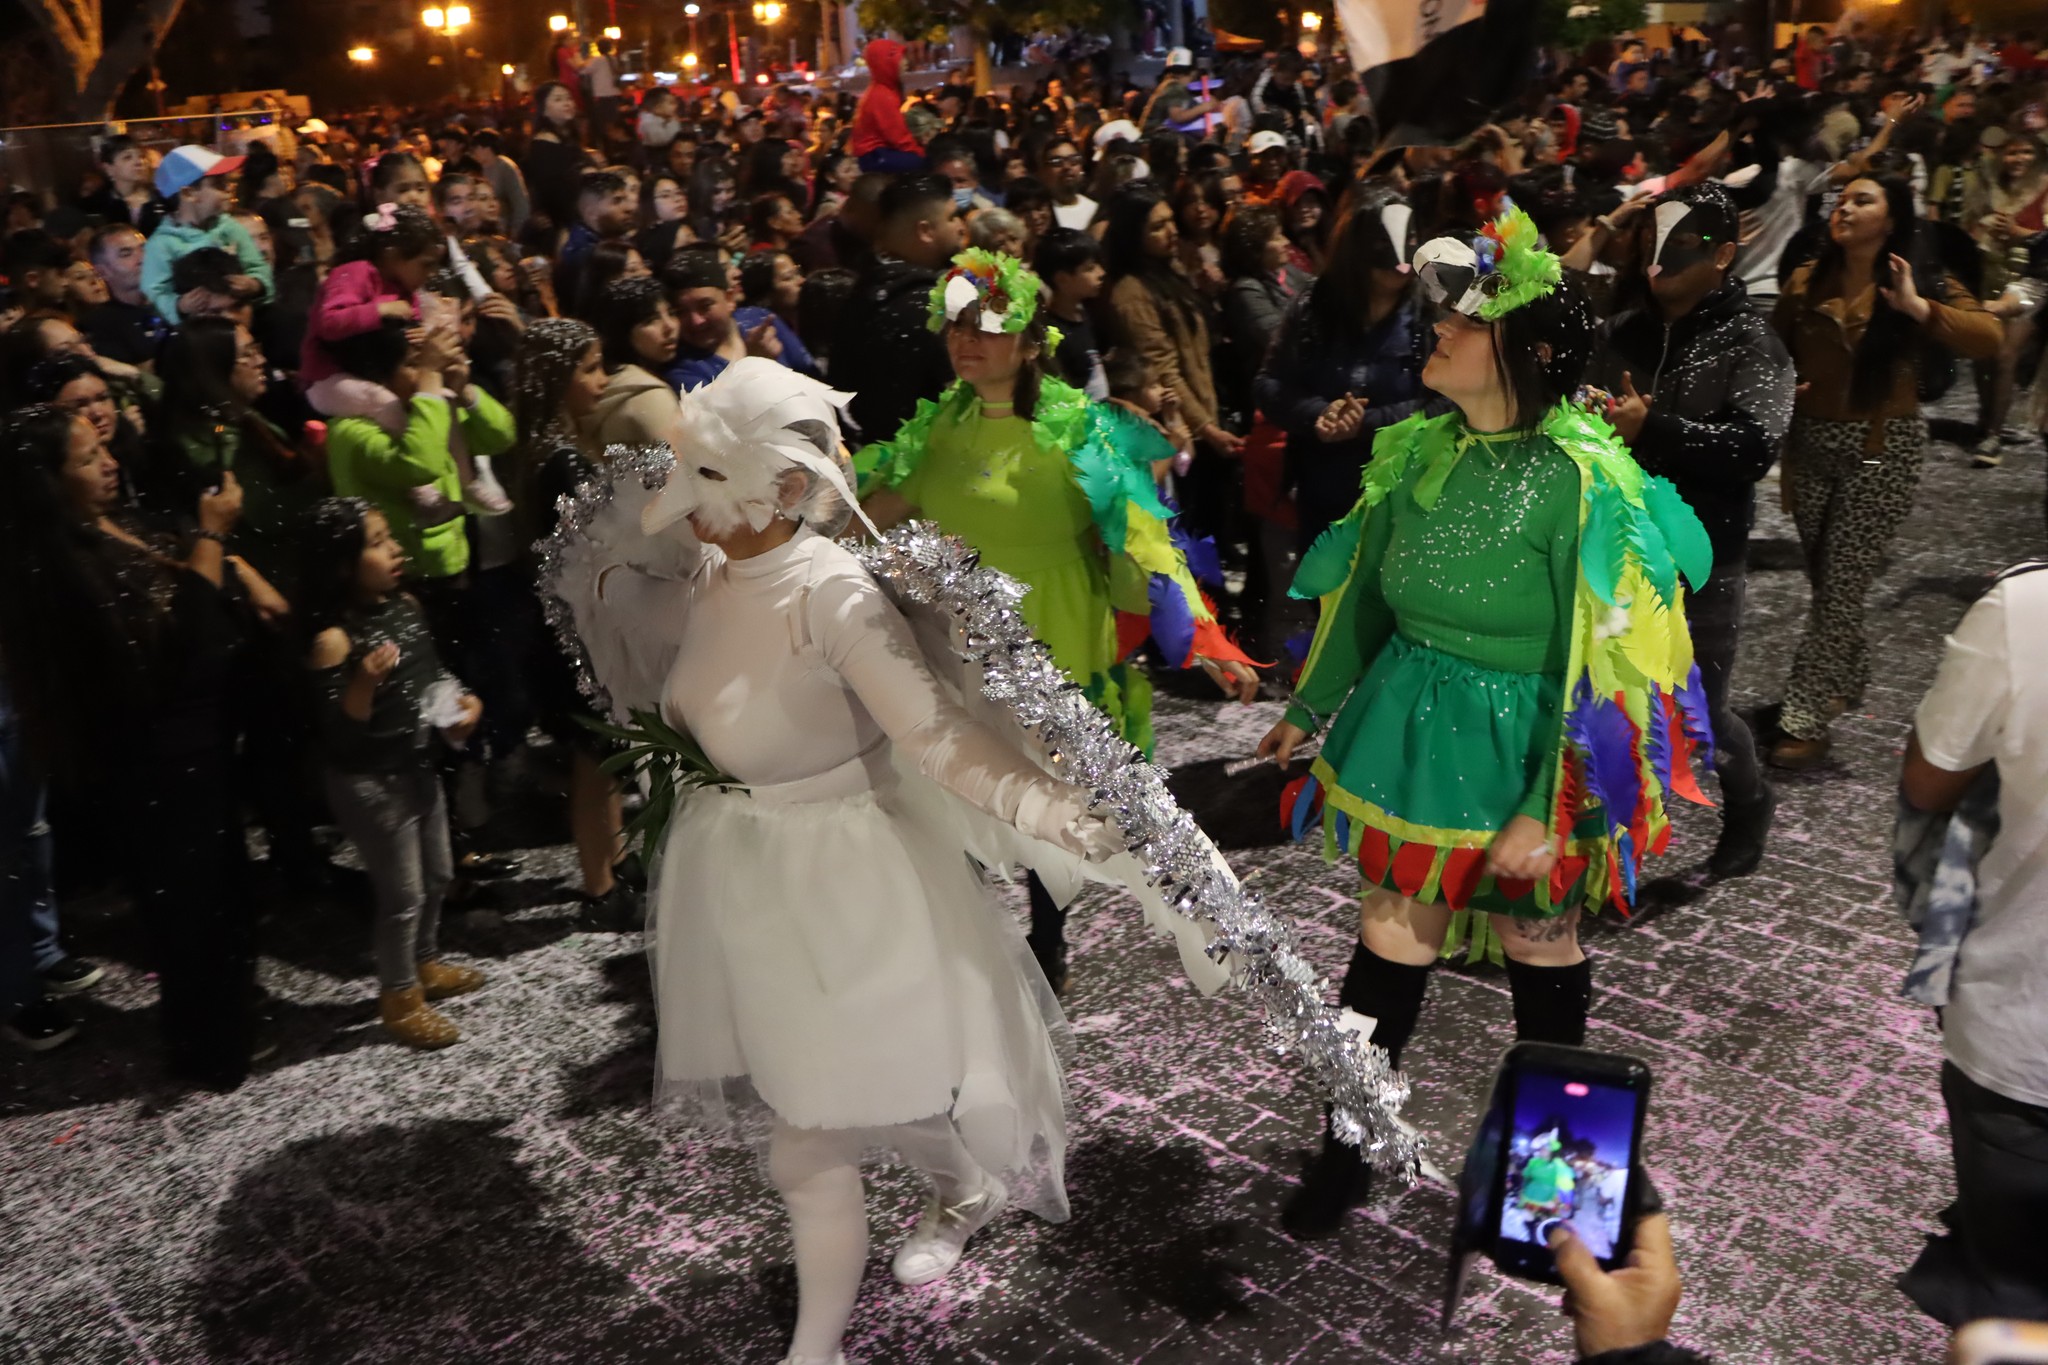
(392, 260)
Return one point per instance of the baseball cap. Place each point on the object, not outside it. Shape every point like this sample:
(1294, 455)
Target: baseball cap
(1178, 58)
(1114, 129)
(187, 166)
(1265, 141)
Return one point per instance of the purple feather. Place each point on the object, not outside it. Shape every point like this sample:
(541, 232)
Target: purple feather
(1658, 739)
(1692, 707)
(1173, 622)
(1607, 738)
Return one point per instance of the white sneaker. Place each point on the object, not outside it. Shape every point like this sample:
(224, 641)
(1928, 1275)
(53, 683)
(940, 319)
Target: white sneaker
(431, 507)
(484, 495)
(1985, 454)
(933, 1247)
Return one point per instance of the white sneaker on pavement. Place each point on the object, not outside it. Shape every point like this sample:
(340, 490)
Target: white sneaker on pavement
(934, 1245)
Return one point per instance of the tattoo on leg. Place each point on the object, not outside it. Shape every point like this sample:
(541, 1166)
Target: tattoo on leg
(1546, 930)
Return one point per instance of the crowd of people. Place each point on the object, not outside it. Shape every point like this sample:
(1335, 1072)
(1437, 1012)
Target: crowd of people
(285, 419)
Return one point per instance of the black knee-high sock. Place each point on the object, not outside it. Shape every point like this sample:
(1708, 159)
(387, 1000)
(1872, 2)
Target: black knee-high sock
(1048, 921)
(1551, 1002)
(1390, 992)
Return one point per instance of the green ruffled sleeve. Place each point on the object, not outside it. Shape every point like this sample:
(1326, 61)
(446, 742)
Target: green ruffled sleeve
(894, 463)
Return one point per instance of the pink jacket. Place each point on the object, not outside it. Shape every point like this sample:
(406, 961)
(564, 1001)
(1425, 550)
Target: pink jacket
(346, 306)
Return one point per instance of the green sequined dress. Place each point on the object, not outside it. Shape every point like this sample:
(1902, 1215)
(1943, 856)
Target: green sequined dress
(1501, 635)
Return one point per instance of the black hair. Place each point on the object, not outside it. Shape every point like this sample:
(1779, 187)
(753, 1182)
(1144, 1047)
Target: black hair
(1891, 339)
(620, 308)
(488, 139)
(691, 269)
(331, 537)
(1062, 250)
(70, 637)
(757, 275)
(386, 170)
(197, 366)
(1125, 371)
(763, 208)
(1244, 241)
(412, 235)
(598, 184)
(103, 235)
(1340, 296)
(606, 262)
(1207, 188)
(374, 355)
(449, 180)
(1562, 322)
(112, 147)
(912, 196)
(540, 108)
(48, 377)
(818, 306)
(1123, 250)
(34, 249)
(208, 268)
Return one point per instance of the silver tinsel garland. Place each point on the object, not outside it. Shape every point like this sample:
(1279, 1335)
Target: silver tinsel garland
(922, 565)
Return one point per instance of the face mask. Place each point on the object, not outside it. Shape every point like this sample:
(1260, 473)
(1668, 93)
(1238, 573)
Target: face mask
(740, 426)
(1680, 242)
(1449, 270)
(1391, 252)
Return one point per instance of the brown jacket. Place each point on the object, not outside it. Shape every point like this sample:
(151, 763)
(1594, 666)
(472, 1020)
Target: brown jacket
(1178, 356)
(1822, 332)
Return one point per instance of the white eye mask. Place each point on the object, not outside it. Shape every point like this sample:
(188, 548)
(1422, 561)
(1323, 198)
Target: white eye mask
(961, 295)
(1394, 220)
(737, 442)
(1449, 270)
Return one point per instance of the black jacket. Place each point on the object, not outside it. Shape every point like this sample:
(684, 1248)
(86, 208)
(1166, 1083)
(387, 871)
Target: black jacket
(1720, 387)
(885, 351)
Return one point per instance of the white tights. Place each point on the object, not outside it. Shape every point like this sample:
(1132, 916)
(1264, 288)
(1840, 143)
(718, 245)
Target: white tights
(817, 1171)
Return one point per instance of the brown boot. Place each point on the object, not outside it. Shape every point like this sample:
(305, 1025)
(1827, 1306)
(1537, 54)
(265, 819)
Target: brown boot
(1799, 755)
(412, 1021)
(440, 980)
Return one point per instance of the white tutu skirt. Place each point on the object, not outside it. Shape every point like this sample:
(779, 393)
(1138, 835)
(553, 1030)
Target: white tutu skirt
(825, 953)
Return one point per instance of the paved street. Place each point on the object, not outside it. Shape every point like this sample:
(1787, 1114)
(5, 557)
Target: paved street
(512, 1200)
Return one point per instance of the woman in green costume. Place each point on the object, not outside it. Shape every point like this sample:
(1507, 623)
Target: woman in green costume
(1056, 491)
(1502, 666)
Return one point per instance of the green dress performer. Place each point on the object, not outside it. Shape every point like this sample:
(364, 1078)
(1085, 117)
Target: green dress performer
(1056, 491)
(1502, 666)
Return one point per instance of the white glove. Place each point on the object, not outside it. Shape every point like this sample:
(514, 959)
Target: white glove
(1058, 814)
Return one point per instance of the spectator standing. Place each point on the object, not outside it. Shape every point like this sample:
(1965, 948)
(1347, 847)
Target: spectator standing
(1703, 391)
(127, 197)
(883, 349)
(1858, 321)
(505, 179)
(637, 330)
(554, 156)
(601, 78)
(1063, 169)
(1983, 720)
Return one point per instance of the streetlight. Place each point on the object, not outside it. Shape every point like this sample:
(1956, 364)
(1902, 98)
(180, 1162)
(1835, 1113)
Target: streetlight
(1311, 22)
(689, 61)
(505, 70)
(458, 16)
(558, 23)
(433, 18)
(362, 56)
(767, 11)
(613, 33)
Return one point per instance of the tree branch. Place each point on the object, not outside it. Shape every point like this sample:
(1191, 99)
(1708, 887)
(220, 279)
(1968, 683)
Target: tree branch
(136, 43)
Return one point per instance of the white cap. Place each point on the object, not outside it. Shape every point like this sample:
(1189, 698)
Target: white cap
(1114, 129)
(1180, 56)
(1266, 140)
(313, 125)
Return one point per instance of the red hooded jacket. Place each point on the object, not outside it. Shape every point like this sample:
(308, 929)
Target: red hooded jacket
(878, 122)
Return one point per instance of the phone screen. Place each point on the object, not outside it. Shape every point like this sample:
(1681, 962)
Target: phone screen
(1568, 1154)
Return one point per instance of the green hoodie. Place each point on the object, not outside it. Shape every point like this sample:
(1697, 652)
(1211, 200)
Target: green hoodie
(173, 240)
(366, 461)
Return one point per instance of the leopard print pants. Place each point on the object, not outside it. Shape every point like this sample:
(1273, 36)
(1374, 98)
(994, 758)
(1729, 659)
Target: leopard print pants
(1847, 503)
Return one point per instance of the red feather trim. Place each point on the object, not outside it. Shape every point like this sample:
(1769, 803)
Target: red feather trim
(1411, 867)
(1132, 630)
(1682, 749)
(1562, 874)
(1463, 867)
(1213, 642)
(1375, 852)
(1290, 797)
(1661, 842)
(1514, 888)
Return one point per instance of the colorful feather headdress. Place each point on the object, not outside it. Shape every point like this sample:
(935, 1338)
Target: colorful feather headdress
(1498, 271)
(1001, 286)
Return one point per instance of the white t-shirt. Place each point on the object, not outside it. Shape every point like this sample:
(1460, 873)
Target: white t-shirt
(604, 81)
(1989, 703)
(1077, 215)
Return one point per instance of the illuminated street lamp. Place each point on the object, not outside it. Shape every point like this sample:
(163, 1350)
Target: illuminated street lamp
(1311, 22)
(362, 56)
(558, 23)
(767, 11)
(505, 70)
(689, 61)
(613, 33)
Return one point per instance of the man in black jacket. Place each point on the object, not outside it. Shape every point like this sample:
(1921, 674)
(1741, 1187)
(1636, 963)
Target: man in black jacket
(1702, 393)
(883, 350)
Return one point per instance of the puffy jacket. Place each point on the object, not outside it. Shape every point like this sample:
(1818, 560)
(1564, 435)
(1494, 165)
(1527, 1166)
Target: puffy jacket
(884, 351)
(636, 408)
(878, 122)
(1720, 383)
(383, 457)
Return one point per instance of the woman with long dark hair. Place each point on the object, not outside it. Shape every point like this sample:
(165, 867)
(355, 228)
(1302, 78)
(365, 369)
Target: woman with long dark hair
(1348, 360)
(1000, 460)
(665, 208)
(1502, 698)
(554, 155)
(1861, 322)
(122, 645)
(637, 333)
(1162, 315)
(713, 191)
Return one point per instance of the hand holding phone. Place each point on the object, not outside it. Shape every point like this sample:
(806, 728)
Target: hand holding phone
(1621, 1309)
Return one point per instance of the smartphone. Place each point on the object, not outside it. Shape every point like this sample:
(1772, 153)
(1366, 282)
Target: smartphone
(1569, 1150)
(2000, 1341)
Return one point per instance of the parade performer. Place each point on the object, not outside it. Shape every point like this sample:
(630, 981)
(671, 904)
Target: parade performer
(1502, 666)
(1058, 492)
(830, 976)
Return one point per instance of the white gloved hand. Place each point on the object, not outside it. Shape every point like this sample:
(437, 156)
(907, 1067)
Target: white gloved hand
(1059, 815)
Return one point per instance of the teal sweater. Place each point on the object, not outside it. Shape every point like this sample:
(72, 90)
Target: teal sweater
(173, 240)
